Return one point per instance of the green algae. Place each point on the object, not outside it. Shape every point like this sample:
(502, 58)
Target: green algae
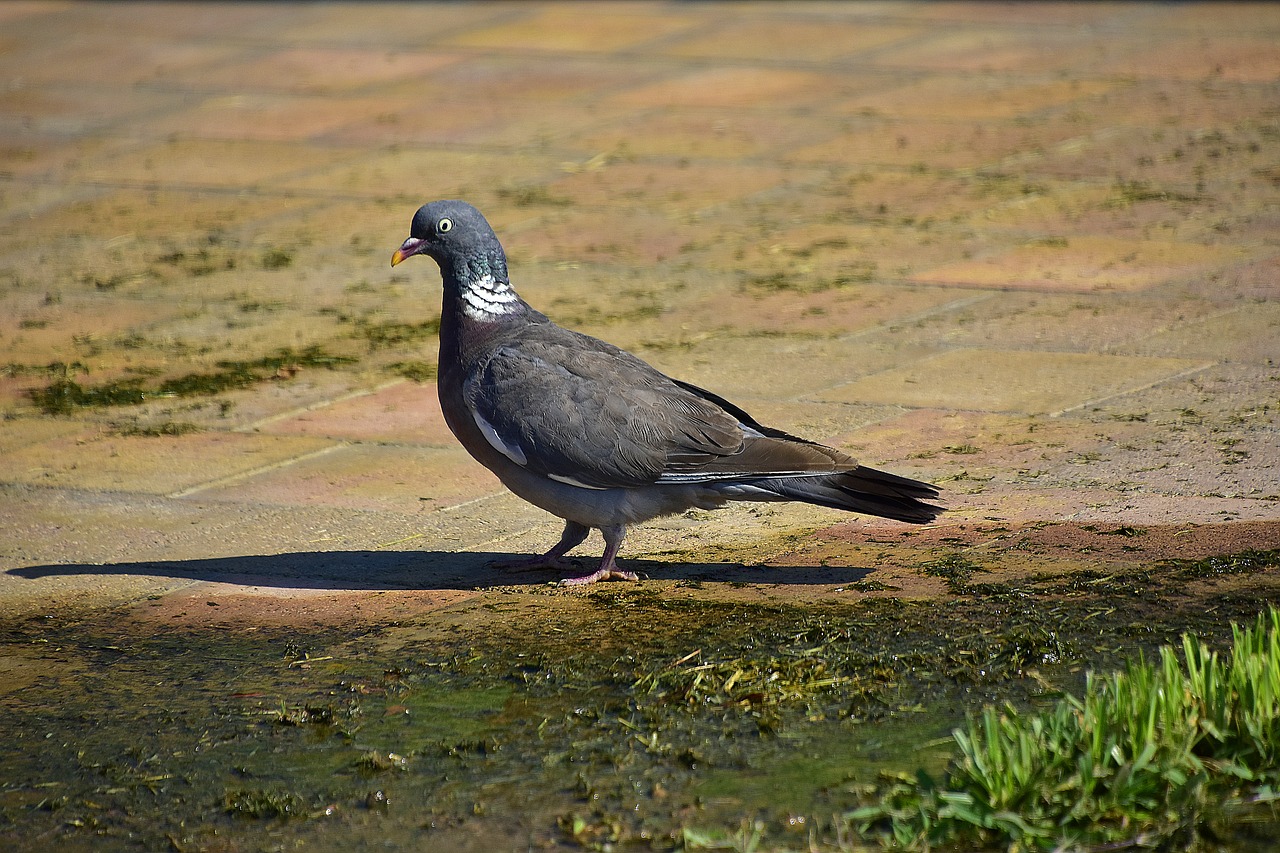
(64, 394)
(641, 715)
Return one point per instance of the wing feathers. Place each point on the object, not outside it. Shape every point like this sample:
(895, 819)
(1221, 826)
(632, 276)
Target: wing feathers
(583, 412)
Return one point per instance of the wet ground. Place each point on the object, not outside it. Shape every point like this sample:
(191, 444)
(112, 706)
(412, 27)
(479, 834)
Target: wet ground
(1026, 252)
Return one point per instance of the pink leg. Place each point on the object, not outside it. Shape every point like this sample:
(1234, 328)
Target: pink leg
(572, 537)
(608, 566)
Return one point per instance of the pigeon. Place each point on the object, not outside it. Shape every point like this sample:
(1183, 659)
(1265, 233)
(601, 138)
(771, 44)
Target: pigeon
(593, 434)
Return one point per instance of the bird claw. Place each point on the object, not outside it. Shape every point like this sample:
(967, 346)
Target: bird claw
(612, 573)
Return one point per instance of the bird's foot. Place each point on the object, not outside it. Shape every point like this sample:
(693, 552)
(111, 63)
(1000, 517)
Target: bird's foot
(608, 572)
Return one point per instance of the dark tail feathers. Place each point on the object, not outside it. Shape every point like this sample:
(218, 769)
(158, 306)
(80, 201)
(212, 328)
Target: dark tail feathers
(863, 490)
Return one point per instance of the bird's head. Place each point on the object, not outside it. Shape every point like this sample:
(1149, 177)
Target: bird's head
(450, 232)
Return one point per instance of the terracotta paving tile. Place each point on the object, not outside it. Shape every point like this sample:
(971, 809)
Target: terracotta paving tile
(546, 78)
(982, 14)
(405, 480)
(708, 134)
(17, 10)
(829, 312)
(16, 433)
(1251, 58)
(1009, 381)
(444, 173)
(109, 55)
(612, 234)
(180, 24)
(1249, 334)
(1024, 250)
(1085, 263)
(1057, 322)
(121, 218)
(318, 70)
(570, 27)
(404, 413)
(38, 329)
(933, 145)
(730, 87)
(523, 125)
(786, 367)
(150, 464)
(654, 186)
(790, 37)
(988, 49)
(210, 163)
(64, 112)
(963, 98)
(272, 117)
(379, 23)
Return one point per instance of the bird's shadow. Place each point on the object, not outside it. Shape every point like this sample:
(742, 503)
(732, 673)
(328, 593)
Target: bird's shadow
(422, 570)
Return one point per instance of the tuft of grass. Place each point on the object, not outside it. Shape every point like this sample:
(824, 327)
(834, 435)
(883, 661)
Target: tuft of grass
(392, 333)
(418, 371)
(64, 395)
(1147, 757)
(261, 803)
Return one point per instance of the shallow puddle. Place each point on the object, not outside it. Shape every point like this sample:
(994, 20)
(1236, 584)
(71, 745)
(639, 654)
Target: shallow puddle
(629, 715)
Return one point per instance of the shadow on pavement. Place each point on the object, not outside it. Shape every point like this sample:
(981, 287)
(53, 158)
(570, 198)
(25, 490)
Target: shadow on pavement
(424, 570)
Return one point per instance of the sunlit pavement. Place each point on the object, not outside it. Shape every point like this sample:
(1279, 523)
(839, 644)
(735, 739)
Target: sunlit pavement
(1030, 253)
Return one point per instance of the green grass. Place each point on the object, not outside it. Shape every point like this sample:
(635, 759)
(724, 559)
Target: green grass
(64, 395)
(1151, 756)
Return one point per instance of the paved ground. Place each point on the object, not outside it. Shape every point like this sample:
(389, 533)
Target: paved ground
(1029, 252)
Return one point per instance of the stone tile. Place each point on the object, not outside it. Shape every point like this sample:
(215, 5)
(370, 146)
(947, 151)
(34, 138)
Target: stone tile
(1106, 322)
(404, 413)
(549, 78)
(319, 70)
(271, 117)
(569, 27)
(180, 25)
(989, 49)
(1247, 334)
(368, 478)
(208, 162)
(652, 186)
(616, 233)
(708, 134)
(66, 112)
(969, 98)
(19, 432)
(473, 175)
(790, 37)
(933, 145)
(807, 243)
(155, 465)
(110, 55)
(839, 312)
(135, 218)
(912, 199)
(14, 12)
(984, 16)
(26, 152)
(1085, 263)
(367, 23)
(1009, 381)
(784, 368)
(1228, 56)
(39, 328)
(520, 125)
(730, 87)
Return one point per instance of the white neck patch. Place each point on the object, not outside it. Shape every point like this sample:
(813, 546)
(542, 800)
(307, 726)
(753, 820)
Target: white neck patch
(487, 298)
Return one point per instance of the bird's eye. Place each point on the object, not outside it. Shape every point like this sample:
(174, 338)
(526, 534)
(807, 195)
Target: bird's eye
(444, 225)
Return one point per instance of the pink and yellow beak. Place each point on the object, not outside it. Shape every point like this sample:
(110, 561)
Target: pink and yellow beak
(410, 247)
